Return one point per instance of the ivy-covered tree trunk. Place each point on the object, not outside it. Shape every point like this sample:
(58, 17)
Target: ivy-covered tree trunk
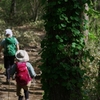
(62, 50)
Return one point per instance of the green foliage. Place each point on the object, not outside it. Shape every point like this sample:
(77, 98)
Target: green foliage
(17, 12)
(92, 86)
(92, 36)
(63, 50)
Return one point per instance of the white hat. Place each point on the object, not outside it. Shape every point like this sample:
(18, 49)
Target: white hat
(22, 55)
(9, 31)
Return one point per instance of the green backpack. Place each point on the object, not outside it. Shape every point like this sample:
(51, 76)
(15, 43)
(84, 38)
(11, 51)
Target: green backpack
(10, 47)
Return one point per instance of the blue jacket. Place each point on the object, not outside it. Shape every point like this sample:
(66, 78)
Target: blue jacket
(29, 67)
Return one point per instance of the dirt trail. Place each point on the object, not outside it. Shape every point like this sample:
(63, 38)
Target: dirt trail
(8, 92)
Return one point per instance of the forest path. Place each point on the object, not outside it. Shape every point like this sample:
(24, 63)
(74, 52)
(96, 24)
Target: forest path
(8, 92)
(32, 44)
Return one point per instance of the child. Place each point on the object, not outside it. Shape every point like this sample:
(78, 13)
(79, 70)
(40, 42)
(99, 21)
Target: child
(22, 86)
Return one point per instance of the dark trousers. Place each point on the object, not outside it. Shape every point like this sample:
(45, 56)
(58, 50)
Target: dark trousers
(8, 62)
(26, 92)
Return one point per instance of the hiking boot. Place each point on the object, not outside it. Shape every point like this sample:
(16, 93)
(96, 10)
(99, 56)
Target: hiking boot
(8, 81)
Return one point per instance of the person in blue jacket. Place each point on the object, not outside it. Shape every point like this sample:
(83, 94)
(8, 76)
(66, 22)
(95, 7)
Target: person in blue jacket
(22, 56)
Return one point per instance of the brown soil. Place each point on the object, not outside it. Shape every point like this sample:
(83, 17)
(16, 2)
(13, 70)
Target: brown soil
(8, 92)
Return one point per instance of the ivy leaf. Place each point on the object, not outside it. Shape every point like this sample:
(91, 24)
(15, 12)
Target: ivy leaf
(63, 25)
(76, 18)
(76, 53)
(79, 47)
(60, 47)
(77, 13)
(73, 45)
(66, 19)
(59, 38)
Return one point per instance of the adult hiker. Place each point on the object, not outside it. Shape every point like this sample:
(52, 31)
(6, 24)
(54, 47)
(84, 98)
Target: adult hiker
(10, 45)
(24, 72)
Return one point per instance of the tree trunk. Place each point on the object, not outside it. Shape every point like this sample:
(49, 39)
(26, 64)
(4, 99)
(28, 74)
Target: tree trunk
(61, 73)
(86, 32)
(35, 6)
(13, 8)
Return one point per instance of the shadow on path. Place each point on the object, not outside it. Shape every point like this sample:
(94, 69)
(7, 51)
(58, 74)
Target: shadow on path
(8, 91)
